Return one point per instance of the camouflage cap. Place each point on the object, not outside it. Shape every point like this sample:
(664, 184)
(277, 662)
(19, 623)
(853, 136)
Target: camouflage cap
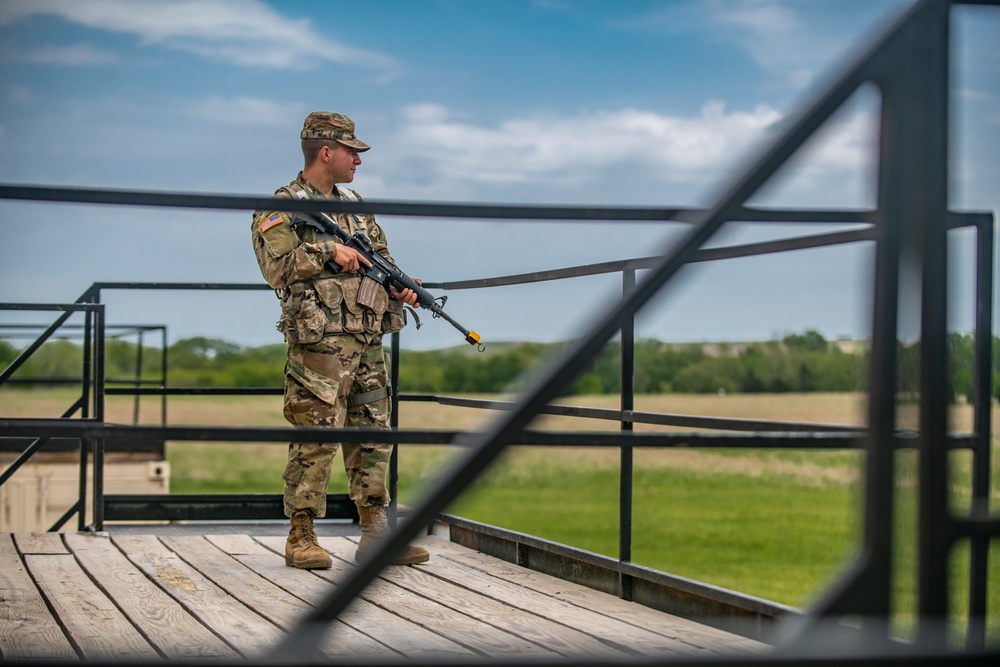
(336, 126)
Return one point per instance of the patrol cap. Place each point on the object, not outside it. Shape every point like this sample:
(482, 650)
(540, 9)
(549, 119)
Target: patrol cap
(335, 126)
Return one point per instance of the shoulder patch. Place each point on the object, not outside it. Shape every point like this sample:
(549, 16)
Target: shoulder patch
(270, 221)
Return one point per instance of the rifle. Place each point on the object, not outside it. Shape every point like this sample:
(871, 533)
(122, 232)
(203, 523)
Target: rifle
(382, 271)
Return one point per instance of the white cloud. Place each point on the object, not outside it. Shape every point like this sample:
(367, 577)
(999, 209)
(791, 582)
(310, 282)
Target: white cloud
(73, 55)
(242, 111)
(797, 41)
(989, 102)
(836, 167)
(243, 32)
(771, 32)
(762, 17)
(607, 154)
(20, 95)
(582, 147)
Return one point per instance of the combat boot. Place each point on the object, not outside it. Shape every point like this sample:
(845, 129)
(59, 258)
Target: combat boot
(302, 550)
(375, 529)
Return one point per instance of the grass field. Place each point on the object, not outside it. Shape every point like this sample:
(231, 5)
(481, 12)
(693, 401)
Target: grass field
(771, 523)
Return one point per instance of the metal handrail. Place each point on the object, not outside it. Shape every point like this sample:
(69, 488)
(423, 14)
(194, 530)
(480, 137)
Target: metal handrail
(626, 418)
(909, 66)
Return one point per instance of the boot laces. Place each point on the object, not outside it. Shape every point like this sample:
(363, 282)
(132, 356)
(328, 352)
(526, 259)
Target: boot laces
(380, 519)
(307, 533)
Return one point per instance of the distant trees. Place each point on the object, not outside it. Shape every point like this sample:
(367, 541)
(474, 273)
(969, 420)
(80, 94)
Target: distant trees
(8, 353)
(804, 362)
(56, 359)
(758, 367)
(210, 362)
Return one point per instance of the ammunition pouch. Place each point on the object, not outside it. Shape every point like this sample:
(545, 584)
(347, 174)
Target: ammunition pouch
(394, 318)
(313, 309)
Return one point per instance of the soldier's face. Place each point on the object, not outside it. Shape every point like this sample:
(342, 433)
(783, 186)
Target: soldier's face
(342, 163)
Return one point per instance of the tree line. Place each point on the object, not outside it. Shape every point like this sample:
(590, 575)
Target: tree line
(805, 362)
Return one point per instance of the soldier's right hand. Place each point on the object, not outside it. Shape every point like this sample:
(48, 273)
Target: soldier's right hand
(349, 259)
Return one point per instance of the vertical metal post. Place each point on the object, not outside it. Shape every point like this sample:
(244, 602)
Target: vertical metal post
(911, 260)
(163, 375)
(394, 423)
(923, 130)
(88, 342)
(866, 589)
(81, 516)
(626, 454)
(982, 426)
(88, 363)
(138, 380)
(880, 463)
(99, 393)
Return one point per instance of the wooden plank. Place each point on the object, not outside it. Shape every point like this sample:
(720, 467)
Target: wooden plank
(524, 616)
(699, 637)
(342, 639)
(163, 621)
(608, 630)
(460, 605)
(238, 544)
(697, 634)
(400, 635)
(248, 632)
(27, 629)
(40, 543)
(267, 598)
(483, 638)
(92, 621)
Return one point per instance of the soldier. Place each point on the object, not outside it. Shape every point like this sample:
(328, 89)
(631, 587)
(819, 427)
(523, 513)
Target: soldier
(335, 374)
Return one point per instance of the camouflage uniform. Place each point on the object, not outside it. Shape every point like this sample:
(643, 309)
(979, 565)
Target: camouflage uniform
(335, 372)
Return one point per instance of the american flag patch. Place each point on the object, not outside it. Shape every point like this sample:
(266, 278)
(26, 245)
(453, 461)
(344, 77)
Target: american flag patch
(267, 223)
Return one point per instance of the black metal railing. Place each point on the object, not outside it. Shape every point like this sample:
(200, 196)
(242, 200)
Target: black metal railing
(909, 67)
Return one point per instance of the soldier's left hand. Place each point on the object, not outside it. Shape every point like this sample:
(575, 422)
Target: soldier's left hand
(407, 296)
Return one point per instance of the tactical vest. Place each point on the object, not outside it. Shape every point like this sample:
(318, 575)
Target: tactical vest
(328, 304)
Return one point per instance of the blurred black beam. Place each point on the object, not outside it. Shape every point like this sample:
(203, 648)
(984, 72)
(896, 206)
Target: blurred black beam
(197, 200)
(213, 507)
(791, 440)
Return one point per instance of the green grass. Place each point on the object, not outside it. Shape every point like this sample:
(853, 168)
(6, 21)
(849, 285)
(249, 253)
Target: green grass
(761, 535)
(771, 538)
(226, 467)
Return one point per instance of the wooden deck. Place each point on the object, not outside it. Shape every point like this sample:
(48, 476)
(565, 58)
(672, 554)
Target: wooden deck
(230, 596)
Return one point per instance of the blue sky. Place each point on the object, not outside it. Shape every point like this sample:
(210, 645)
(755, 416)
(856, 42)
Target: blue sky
(554, 101)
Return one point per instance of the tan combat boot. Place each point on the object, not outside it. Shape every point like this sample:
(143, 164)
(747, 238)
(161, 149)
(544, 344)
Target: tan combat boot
(374, 528)
(302, 550)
